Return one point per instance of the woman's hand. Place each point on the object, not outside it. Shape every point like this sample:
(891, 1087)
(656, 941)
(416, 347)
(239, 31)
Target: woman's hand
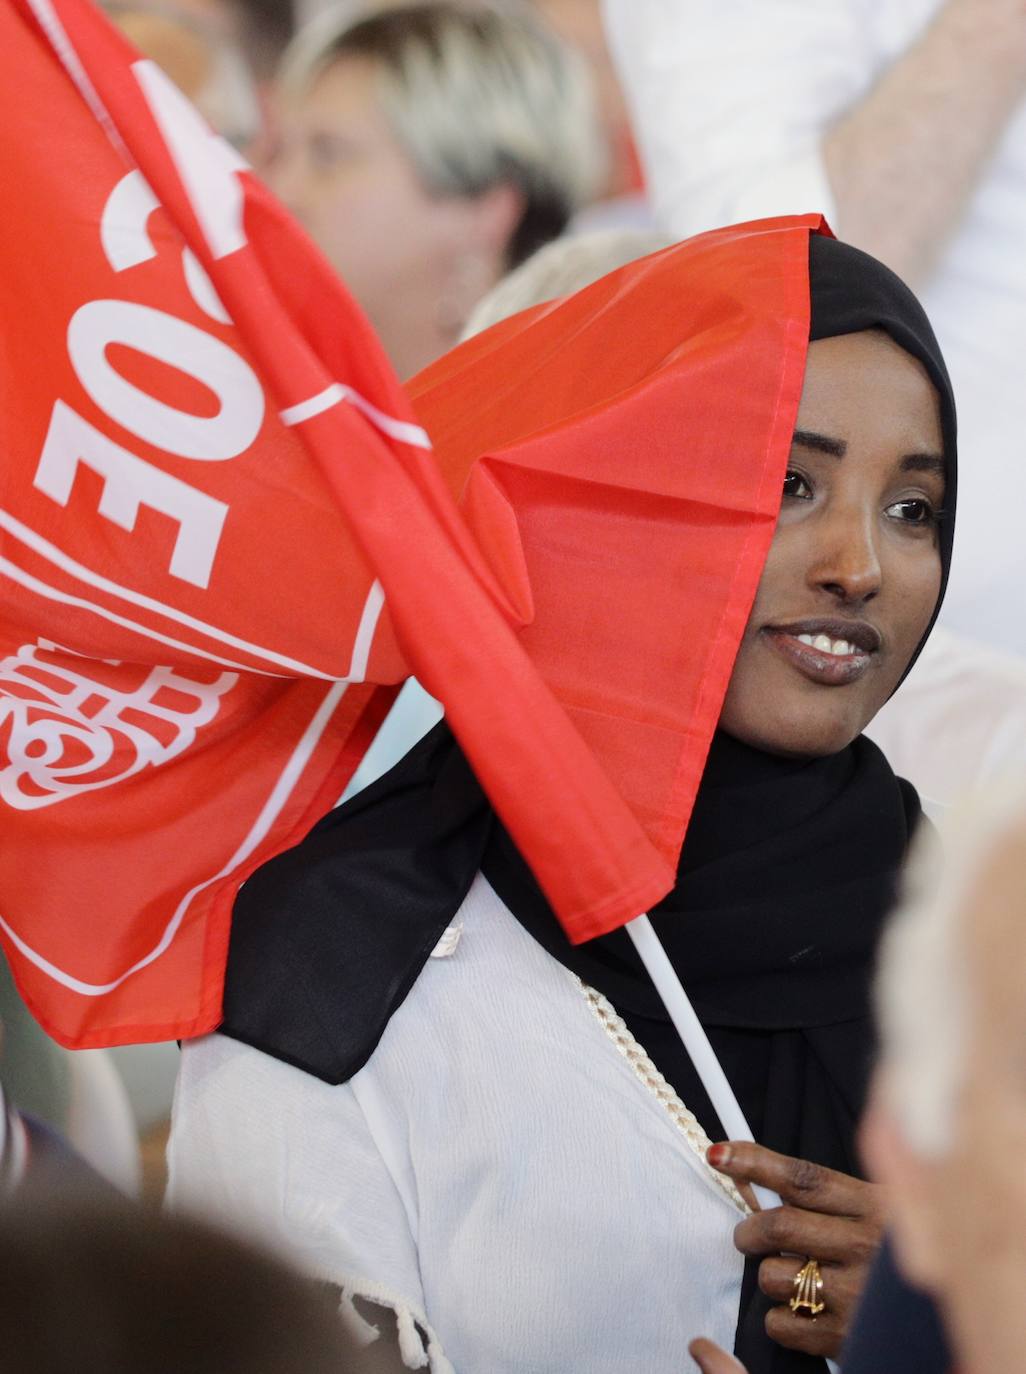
(712, 1360)
(826, 1216)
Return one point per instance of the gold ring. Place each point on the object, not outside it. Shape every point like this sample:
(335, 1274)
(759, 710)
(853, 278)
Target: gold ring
(808, 1290)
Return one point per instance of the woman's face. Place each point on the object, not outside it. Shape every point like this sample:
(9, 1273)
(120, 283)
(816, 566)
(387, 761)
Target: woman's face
(854, 570)
(399, 248)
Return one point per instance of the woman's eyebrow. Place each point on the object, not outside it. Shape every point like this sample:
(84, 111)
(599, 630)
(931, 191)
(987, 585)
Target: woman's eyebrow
(808, 438)
(837, 448)
(923, 462)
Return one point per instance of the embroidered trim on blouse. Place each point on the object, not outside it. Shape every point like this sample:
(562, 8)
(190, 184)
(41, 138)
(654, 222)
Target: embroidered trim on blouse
(683, 1118)
(419, 1347)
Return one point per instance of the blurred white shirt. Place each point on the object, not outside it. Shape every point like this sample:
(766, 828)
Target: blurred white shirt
(958, 722)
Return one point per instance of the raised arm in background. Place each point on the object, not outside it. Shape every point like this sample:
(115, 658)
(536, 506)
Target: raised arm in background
(754, 107)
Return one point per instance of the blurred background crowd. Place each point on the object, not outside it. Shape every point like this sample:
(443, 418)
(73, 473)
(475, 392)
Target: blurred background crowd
(434, 150)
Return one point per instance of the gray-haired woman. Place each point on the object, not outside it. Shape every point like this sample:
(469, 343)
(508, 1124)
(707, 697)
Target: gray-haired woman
(429, 148)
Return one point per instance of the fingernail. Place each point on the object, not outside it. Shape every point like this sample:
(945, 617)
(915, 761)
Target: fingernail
(718, 1156)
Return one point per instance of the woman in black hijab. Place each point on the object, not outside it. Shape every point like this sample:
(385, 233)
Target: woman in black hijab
(791, 855)
(785, 877)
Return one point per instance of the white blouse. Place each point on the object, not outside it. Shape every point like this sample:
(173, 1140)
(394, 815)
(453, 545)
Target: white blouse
(508, 1172)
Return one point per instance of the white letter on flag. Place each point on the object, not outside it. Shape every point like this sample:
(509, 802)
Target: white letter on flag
(128, 483)
(205, 162)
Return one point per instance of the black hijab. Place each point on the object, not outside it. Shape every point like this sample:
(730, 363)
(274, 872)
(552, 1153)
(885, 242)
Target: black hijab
(785, 877)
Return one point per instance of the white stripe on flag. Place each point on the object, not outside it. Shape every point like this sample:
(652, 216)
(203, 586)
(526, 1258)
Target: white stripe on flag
(372, 608)
(402, 430)
(269, 812)
(205, 162)
(33, 584)
(54, 555)
(316, 405)
(62, 45)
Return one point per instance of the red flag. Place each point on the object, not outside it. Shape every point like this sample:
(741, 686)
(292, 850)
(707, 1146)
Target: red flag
(220, 522)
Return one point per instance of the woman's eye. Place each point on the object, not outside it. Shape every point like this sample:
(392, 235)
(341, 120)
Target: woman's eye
(913, 511)
(797, 485)
(327, 152)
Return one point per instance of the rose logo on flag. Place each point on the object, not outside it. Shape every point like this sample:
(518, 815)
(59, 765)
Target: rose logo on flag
(65, 730)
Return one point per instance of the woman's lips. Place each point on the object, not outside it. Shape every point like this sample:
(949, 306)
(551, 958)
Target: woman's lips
(819, 665)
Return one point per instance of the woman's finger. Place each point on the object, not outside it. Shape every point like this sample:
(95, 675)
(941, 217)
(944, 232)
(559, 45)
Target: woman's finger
(824, 1336)
(797, 1181)
(712, 1360)
(840, 1291)
(792, 1231)
(777, 1275)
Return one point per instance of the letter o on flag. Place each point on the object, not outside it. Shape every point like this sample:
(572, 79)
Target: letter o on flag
(98, 324)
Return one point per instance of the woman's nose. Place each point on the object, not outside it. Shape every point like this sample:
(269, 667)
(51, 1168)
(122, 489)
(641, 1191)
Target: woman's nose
(847, 563)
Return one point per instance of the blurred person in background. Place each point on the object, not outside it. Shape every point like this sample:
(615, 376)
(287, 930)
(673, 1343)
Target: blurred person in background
(266, 27)
(959, 721)
(428, 148)
(620, 201)
(67, 1112)
(100, 1287)
(904, 122)
(561, 268)
(946, 1128)
(36, 1158)
(38, 1161)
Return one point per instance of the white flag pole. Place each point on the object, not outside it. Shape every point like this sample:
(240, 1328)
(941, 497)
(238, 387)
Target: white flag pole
(700, 1052)
(695, 1040)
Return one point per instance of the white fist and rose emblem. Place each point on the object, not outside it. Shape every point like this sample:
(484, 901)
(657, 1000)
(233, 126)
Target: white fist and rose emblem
(65, 731)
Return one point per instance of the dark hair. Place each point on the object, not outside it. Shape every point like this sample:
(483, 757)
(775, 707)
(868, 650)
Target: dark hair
(89, 1287)
(267, 28)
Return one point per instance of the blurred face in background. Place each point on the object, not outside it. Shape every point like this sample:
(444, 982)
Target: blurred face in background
(416, 261)
(959, 1204)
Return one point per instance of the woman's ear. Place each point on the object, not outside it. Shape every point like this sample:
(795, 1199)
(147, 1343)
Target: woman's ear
(483, 226)
(493, 219)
